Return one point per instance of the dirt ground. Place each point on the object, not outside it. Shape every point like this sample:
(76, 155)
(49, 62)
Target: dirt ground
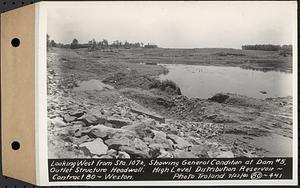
(105, 104)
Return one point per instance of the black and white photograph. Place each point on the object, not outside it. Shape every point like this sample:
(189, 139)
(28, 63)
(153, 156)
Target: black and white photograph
(148, 80)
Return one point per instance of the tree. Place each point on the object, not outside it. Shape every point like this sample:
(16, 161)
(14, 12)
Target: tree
(126, 45)
(74, 44)
(48, 41)
(105, 43)
(53, 43)
(150, 46)
(93, 45)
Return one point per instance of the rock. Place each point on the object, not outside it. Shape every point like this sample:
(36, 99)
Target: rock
(226, 154)
(89, 120)
(58, 122)
(52, 116)
(183, 154)
(165, 102)
(199, 151)
(52, 72)
(68, 118)
(49, 123)
(180, 142)
(152, 116)
(106, 112)
(95, 111)
(134, 152)
(105, 157)
(123, 155)
(112, 153)
(160, 141)
(76, 130)
(142, 129)
(66, 138)
(165, 154)
(117, 142)
(154, 150)
(159, 134)
(77, 123)
(101, 131)
(140, 145)
(149, 122)
(129, 143)
(249, 155)
(77, 114)
(118, 122)
(140, 117)
(82, 139)
(96, 147)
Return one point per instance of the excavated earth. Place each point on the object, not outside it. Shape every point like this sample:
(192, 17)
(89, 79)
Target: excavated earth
(101, 108)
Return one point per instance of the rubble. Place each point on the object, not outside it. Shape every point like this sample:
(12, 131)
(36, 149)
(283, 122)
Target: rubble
(111, 123)
(96, 147)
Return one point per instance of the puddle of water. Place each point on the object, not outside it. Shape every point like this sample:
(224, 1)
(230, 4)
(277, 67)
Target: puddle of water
(205, 81)
(92, 85)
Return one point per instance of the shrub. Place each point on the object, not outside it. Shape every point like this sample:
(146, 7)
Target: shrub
(166, 85)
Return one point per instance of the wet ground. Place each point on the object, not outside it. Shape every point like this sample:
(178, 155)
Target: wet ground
(124, 118)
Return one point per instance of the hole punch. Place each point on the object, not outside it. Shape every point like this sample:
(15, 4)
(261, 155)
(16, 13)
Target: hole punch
(15, 42)
(15, 145)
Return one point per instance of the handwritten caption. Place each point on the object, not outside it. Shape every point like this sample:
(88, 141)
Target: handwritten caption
(169, 169)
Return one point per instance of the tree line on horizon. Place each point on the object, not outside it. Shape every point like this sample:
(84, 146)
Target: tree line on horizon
(94, 45)
(284, 50)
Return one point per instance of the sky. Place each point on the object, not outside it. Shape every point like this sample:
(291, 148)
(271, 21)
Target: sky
(174, 24)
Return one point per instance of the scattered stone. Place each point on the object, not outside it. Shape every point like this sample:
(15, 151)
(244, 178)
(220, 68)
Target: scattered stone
(101, 131)
(117, 142)
(106, 157)
(83, 139)
(134, 152)
(140, 145)
(96, 147)
(164, 102)
(199, 151)
(180, 142)
(112, 152)
(68, 118)
(77, 114)
(183, 154)
(76, 130)
(96, 112)
(123, 155)
(160, 141)
(89, 120)
(226, 154)
(58, 122)
(152, 116)
(118, 122)
(142, 129)
(165, 154)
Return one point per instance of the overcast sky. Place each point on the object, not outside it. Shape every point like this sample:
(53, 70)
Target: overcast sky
(174, 24)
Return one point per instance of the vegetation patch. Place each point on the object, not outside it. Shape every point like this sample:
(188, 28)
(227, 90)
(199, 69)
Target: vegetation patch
(132, 79)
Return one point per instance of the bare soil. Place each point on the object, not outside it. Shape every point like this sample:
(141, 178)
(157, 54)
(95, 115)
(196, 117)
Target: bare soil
(169, 125)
